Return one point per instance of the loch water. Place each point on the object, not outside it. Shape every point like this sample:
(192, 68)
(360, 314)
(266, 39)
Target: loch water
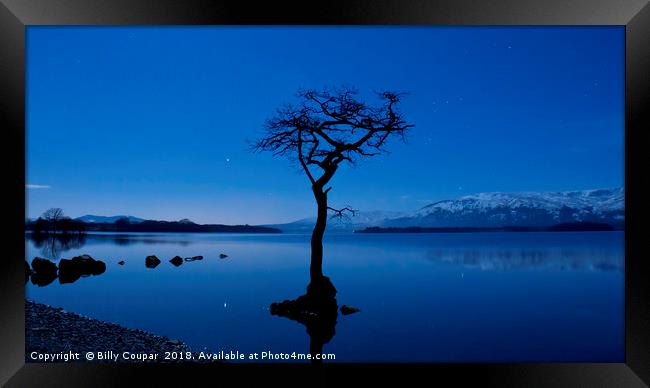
(441, 297)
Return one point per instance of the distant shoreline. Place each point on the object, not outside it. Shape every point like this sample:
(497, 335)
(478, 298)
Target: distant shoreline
(566, 227)
(150, 226)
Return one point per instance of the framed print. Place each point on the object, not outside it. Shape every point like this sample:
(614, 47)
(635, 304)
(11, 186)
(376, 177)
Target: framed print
(357, 192)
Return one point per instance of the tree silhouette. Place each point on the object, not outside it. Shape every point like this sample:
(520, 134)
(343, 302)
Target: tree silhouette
(325, 129)
(53, 216)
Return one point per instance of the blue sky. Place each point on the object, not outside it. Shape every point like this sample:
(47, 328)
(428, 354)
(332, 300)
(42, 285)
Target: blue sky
(153, 121)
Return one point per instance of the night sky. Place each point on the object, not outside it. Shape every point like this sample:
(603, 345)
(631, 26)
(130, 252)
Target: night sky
(154, 122)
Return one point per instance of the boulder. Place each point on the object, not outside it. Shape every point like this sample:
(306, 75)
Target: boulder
(151, 261)
(41, 265)
(347, 310)
(177, 260)
(320, 300)
(317, 310)
(84, 264)
(79, 266)
(44, 271)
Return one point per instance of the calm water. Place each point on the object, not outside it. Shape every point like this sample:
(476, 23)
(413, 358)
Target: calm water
(423, 297)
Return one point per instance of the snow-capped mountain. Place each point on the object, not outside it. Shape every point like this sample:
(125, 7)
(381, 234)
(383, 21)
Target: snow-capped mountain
(537, 209)
(485, 210)
(107, 219)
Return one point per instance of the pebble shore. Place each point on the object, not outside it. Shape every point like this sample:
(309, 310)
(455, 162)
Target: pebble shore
(52, 330)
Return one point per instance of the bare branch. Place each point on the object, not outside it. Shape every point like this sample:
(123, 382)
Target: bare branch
(328, 127)
(343, 213)
(302, 160)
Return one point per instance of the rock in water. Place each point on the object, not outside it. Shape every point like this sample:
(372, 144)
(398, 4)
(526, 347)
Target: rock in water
(194, 258)
(86, 264)
(42, 265)
(71, 270)
(44, 271)
(151, 261)
(347, 310)
(120, 262)
(177, 260)
(222, 255)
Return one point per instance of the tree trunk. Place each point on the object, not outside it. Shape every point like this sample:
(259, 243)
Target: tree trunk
(316, 267)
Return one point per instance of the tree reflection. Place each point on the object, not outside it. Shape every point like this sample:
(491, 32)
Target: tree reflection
(53, 245)
(317, 310)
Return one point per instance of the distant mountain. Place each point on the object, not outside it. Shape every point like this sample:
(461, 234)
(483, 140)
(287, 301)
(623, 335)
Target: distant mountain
(360, 220)
(562, 227)
(91, 223)
(493, 210)
(107, 219)
(182, 226)
(536, 209)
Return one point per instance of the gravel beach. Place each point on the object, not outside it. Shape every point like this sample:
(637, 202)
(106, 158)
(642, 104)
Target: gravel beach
(53, 331)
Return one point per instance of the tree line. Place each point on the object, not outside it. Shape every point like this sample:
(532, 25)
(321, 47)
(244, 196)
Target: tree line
(55, 221)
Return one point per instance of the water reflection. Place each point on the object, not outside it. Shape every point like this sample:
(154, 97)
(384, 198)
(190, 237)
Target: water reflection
(514, 259)
(53, 245)
(421, 310)
(130, 239)
(317, 310)
(42, 279)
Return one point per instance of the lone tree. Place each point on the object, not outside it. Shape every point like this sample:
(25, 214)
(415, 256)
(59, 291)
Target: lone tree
(53, 216)
(327, 128)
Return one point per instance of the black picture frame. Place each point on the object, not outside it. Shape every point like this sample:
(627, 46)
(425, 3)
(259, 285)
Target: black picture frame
(16, 15)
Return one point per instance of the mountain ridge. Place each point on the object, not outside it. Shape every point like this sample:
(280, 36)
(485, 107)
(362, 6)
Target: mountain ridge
(95, 219)
(499, 209)
(493, 210)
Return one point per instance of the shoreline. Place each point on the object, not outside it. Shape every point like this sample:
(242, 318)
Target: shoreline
(53, 331)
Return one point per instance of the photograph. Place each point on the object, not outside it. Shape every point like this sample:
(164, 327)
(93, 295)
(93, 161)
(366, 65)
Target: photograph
(325, 194)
